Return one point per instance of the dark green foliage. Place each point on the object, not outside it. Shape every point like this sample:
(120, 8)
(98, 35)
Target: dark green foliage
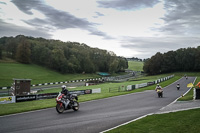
(64, 57)
(182, 60)
(1, 50)
(23, 51)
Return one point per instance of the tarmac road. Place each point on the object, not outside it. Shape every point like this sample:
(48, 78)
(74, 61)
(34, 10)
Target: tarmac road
(93, 116)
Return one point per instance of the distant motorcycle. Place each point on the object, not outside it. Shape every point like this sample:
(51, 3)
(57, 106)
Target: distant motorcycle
(178, 86)
(160, 93)
(66, 102)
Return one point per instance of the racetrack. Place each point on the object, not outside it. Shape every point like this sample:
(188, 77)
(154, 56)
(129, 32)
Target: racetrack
(93, 116)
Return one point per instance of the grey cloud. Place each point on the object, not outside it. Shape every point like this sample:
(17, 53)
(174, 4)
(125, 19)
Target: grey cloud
(13, 30)
(26, 6)
(98, 14)
(55, 19)
(148, 46)
(127, 4)
(2, 2)
(99, 33)
(182, 17)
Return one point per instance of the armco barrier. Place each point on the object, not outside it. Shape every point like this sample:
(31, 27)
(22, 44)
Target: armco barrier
(151, 83)
(129, 88)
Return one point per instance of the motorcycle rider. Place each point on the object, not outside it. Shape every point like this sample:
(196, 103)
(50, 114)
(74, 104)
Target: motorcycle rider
(65, 92)
(178, 86)
(158, 88)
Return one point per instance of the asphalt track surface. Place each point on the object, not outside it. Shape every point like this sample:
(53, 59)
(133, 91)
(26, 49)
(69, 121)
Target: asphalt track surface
(93, 116)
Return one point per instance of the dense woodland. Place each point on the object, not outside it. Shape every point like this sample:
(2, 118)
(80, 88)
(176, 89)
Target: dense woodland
(181, 60)
(64, 57)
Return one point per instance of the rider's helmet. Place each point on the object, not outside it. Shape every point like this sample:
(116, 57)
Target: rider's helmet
(63, 87)
(158, 85)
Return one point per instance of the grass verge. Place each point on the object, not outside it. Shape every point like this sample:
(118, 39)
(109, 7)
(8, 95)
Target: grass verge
(164, 123)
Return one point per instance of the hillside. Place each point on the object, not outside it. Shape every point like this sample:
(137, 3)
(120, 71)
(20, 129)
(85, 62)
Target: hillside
(38, 74)
(10, 69)
(135, 65)
(63, 57)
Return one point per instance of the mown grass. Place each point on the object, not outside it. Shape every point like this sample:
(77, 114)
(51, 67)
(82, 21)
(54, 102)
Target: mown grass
(10, 69)
(135, 65)
(38, 74)
(41, 104)
(178, 122)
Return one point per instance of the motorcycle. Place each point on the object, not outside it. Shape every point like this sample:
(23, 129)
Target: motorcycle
(66, 102)
(160, 93)
(178, 87)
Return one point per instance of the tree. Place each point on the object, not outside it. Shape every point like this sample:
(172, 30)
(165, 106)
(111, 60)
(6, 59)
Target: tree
(64, 57)
(23, 52)
(113, 66)
(169, 62)
(11, 45)
(197, 59)
(156, 64)
(1, 51)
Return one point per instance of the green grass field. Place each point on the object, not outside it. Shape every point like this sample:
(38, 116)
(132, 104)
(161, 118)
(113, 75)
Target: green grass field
(135, 65)
(38, 74)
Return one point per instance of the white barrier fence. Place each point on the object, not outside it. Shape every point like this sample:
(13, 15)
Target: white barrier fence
(131, 87)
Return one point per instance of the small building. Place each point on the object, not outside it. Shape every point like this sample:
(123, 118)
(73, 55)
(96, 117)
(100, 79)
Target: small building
(21, 86)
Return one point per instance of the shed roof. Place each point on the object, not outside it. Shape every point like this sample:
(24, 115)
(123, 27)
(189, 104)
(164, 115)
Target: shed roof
(103, 73)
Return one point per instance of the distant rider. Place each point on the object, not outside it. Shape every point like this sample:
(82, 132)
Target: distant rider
(178, 86)
(158, 88)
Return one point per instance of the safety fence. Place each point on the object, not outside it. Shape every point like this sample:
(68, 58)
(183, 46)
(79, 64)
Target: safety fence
(13, 99)
(117, 89)
(55, 83)
(137, 86)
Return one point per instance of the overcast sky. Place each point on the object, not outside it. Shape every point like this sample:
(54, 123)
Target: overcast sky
(129, 28)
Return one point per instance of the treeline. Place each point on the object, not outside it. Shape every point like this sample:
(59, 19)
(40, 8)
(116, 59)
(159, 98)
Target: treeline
(182, 60)
(134, 59)
(64, 57)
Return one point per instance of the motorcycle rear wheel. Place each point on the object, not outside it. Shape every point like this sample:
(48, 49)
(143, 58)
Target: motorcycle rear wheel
(59, 108)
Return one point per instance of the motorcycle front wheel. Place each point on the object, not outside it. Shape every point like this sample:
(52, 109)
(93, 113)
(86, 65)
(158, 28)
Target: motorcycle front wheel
(59, 108)
(76, 106)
